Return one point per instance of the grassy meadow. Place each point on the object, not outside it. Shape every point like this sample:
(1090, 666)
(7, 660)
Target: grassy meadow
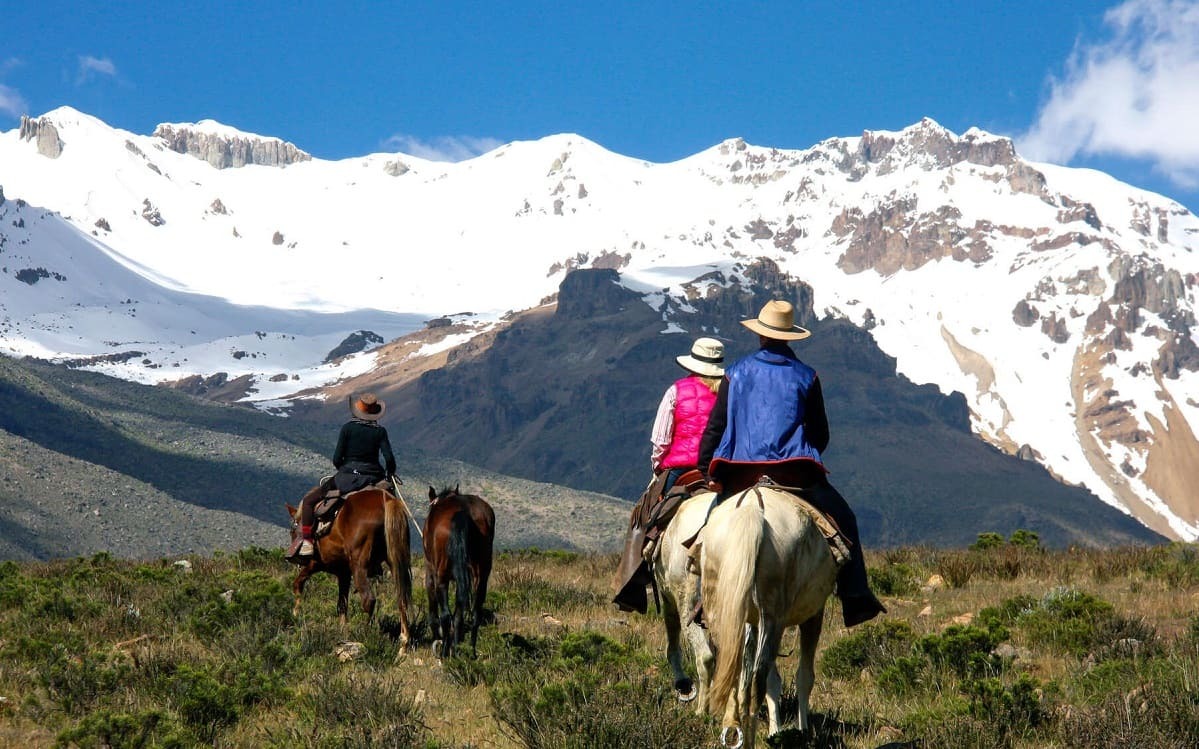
(1004, 644)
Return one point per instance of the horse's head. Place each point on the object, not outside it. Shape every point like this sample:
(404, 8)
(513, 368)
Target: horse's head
(294, 514)
(434, 495)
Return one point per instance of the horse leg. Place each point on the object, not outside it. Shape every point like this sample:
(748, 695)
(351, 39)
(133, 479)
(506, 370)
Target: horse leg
(705, 664)
(683, 686)
(431, 596)
(449, 635)
(297, 587)
(362, 584)
(809, 636)
(767, 682)
(343, 597)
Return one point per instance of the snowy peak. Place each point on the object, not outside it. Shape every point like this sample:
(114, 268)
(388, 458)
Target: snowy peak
(1060, 302)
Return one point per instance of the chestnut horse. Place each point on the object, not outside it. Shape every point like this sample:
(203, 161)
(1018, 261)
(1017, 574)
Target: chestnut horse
(459, 533)
(370, 529)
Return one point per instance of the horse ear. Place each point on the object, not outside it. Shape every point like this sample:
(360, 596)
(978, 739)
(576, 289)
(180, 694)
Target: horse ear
(290, 510)
(432, 493)
(456, 488)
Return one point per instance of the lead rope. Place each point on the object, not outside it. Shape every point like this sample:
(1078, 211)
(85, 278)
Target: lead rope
(395, 483)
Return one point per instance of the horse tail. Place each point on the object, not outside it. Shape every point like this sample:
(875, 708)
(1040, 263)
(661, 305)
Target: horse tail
(727, 602)
(399, 552)
(458, 549)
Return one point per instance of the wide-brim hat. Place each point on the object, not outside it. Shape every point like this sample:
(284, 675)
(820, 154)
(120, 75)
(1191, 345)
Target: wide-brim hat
(706, 358)
(777, 321)
(367, 406)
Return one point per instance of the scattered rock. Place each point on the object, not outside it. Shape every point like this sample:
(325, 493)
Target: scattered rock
(183, 565)
(348, 651)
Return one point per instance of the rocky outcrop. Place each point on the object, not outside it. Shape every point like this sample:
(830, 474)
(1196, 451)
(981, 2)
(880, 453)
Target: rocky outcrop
(1024, 314)
(353, 343)
(151, 213)
(925, 144)
(224, 151)
(893, 237)
(396, 168)
(591, 293)
(44, 132)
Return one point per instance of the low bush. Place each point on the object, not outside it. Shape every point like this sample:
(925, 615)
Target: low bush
(874, 647)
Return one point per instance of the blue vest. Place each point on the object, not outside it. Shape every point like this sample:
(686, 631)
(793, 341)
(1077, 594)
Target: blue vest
(767, 396)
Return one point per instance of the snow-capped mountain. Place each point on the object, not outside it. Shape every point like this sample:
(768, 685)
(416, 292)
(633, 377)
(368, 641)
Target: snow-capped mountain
(1059, 301)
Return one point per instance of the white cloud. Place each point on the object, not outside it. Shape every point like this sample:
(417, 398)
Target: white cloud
(90, 66)
(442, 148)
(1135, 94)
(11, 102)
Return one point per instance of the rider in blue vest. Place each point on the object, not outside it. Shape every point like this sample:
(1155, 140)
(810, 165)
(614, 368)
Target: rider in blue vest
(769, 420)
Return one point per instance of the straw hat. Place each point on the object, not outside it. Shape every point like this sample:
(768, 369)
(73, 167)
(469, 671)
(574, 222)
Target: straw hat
(368, 407)
(707, 354)
(777, 321)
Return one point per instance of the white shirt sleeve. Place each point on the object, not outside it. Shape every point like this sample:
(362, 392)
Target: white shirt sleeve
(663, 427)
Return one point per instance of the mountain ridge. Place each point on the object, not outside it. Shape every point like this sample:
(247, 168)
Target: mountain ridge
(1058, 301)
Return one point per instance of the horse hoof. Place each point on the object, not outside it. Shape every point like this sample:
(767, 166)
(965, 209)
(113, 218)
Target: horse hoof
(685, 690)
(732, 733)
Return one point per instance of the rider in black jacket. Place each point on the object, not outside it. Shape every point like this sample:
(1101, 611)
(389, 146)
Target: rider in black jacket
(361, 440)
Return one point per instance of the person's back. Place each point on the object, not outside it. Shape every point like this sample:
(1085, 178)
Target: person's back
(359, 444)
(769, 420)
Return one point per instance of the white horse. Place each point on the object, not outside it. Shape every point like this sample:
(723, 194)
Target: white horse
(680, 591)
(765, 566)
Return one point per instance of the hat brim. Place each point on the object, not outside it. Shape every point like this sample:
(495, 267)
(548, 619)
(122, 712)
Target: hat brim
(691, 364)
(360, 414)
(795, 334)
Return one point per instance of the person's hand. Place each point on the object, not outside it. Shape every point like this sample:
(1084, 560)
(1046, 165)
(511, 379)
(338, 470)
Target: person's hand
(714, 484)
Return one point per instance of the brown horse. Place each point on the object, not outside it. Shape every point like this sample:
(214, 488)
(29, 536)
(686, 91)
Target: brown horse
(459, 533)
(371, 529)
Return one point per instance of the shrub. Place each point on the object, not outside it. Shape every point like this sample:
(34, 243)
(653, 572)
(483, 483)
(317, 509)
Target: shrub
(987, 541)
(963, 650)
(1016, 707)
(956, 568)
(1025, 539)
(893, 580)
(875, 646)
(77, 682)
(1068, 621)
(105, 729)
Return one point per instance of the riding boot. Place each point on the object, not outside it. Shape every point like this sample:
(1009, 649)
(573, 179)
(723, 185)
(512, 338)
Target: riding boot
(306, 549)
(858, 602)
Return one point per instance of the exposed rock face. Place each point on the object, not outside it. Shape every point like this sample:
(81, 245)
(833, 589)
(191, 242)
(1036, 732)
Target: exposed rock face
(593, 293)
(1024, 314)
(41, 129)
(151, 214)
(894, 237)
(224, 152)
(396, 168)
(927, 144)
(353, 343)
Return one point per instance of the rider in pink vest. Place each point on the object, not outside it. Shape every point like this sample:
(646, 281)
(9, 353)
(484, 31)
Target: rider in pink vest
(683, 411)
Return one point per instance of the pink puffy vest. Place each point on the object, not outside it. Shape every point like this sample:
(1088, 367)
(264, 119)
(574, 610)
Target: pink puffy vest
(693, 403)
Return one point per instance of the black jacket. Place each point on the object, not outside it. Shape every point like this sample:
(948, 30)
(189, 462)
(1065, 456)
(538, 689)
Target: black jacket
(360, 442)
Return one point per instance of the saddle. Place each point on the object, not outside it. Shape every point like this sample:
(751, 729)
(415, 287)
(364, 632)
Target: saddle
(649, 518)
(837, 542)
(324, 512)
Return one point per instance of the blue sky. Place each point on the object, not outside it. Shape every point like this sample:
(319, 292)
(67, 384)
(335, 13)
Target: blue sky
(1113, 86)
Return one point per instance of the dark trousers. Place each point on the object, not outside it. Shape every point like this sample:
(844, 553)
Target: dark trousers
(814, 488)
